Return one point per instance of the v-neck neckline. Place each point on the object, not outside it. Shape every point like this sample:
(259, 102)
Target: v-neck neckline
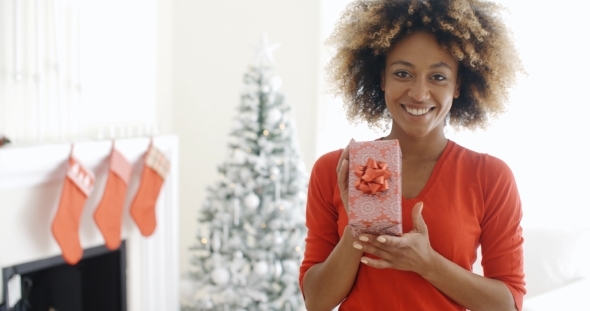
(433, 175)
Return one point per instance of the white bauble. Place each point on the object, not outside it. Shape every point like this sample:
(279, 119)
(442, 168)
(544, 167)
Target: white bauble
(220, 276)
(238, 254)
(275, 171)
(278, 269)
(261, 268)
(208, 304)
(273, 116)
(278, 238)
(239, 156)
(252, 201)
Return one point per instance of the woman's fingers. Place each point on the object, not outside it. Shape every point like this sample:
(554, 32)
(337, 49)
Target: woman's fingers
(375, 263)
(343, 156)
(342, 171)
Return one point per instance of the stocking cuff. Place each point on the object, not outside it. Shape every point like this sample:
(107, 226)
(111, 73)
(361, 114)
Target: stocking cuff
(156, 160)
(80, 175)
(120, 166)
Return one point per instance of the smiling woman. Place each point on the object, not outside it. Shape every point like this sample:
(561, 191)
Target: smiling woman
(413, 65)
(534, 130)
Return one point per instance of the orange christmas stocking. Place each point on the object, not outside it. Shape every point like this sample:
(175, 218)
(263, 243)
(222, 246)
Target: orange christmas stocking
(143, 207)
(66, 224)
(109, 213)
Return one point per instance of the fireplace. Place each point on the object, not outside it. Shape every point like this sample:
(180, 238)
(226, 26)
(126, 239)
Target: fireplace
(96, 283)
(31, 179)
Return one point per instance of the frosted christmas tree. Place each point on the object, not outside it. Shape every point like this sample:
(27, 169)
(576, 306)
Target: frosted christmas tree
(252, 227)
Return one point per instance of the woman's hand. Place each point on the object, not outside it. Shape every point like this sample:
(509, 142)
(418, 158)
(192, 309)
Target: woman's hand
(342, 171)
(410, 252)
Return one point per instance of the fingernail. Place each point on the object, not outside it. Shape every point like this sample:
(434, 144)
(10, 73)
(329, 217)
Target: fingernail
(364, 261)
(357, 246)
(364, 238)
(381, 239)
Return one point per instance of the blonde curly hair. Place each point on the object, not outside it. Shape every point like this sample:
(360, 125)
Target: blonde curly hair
(472, 31)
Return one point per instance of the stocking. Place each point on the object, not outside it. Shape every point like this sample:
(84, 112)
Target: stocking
(143, 207)
(77, 186)
(109, 213)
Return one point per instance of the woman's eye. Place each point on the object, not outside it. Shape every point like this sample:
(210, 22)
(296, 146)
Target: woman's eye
(439, 77)
(402, 74)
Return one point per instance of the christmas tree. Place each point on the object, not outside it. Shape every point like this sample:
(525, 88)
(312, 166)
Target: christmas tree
(252, 227)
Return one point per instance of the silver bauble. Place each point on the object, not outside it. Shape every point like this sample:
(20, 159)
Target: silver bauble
(220, 276)
(252, 201)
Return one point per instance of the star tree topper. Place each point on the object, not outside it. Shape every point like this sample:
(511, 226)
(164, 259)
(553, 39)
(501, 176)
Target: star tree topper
(264, 51)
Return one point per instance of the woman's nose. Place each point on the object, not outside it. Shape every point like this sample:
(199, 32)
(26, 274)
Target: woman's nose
(419, 90)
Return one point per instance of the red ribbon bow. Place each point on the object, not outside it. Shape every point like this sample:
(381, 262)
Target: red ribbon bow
(372, 177)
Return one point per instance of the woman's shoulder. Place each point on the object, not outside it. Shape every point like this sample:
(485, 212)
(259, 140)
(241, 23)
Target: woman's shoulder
(490, 164)
(328, 160)
(324, 167)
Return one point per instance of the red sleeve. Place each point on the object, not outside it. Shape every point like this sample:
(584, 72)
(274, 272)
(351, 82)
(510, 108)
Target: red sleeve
(501, 235)
(321, 213)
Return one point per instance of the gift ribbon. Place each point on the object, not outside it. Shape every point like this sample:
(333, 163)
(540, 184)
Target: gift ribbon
(372, 178)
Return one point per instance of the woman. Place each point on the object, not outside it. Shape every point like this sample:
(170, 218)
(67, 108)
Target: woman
(418, 65)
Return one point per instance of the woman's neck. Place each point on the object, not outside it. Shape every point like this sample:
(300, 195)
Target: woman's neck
(425, 148)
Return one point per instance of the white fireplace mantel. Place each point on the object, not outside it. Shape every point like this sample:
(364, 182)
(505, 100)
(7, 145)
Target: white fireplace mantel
(30, 187)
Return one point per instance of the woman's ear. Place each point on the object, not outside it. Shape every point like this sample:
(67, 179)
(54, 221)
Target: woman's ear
(383, 80)
(457, 88)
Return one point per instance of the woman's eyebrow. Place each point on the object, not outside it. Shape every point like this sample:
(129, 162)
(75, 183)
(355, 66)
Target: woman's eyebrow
(402, 62)
(408, 64)
(439, 65)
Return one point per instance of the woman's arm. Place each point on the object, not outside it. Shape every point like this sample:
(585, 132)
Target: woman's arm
(326, 284)
(412, 252)
(468, 289)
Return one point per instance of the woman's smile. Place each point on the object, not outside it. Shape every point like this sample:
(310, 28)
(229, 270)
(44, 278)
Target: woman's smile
(417, 111)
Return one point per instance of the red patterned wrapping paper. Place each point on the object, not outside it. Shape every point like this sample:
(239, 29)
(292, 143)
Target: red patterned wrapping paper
(379, 211)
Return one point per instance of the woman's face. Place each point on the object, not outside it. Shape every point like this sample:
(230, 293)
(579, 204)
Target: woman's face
(420, 81)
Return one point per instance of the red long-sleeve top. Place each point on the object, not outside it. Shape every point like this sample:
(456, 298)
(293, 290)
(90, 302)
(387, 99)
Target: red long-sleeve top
(469, 199)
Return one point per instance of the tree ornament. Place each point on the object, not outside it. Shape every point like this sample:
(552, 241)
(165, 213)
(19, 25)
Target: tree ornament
(239, 156)
(261, 268)
(273, 116)
(278, 239)
(220, 276)
(252, 201)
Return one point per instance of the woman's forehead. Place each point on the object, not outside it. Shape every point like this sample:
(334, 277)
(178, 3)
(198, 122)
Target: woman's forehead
(419, 47)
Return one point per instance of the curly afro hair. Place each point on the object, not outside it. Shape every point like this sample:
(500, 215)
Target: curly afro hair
(471, 30)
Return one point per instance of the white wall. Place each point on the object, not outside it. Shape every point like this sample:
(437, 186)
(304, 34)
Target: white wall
(211, 49)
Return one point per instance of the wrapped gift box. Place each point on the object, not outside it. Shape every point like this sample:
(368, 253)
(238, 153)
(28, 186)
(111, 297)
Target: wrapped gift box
(374, 188)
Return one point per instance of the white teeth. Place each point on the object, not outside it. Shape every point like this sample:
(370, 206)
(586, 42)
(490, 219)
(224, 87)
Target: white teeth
(416, 112)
